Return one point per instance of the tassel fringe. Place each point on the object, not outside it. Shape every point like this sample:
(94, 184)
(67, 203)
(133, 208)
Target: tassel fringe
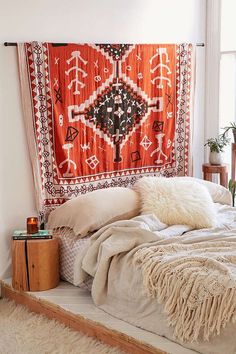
(192, 309)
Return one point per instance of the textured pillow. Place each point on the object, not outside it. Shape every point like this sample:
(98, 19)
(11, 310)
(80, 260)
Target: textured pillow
(91, 211)
(177, 201)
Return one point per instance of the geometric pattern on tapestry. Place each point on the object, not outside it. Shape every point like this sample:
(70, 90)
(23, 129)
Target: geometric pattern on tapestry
(107, 114)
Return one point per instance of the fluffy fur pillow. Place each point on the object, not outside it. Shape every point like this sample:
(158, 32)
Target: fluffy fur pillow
(177, 201)
(91, 211)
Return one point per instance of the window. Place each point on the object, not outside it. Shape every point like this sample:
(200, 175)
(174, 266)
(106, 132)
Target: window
(227, 104)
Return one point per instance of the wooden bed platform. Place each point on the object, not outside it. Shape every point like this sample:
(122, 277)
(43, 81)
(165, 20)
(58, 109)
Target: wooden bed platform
(74, 307)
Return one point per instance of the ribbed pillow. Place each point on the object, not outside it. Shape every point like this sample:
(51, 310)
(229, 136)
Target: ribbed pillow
(91, 211)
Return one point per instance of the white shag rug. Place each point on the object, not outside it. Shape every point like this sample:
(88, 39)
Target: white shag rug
(24, 332)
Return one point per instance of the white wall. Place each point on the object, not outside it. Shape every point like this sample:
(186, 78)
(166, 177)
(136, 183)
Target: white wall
(132, 21)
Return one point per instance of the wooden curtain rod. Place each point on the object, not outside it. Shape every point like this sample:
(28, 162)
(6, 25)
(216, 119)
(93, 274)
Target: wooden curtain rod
(14, 44)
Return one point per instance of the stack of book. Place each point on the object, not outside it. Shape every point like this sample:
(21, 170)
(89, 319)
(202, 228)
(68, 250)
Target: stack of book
(22, 235)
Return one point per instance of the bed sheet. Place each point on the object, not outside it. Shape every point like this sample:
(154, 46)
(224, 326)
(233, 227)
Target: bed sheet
(69, 248)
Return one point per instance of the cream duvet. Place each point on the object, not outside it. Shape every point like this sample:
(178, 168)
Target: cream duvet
(125, 259)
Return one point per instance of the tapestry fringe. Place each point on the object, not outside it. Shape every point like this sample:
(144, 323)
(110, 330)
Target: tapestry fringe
(28, 113)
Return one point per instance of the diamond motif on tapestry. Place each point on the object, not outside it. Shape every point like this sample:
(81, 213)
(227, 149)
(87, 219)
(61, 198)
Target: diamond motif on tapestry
(146, 143)
(92, 161)
(116, 51)
(116, 111)
(117, 108)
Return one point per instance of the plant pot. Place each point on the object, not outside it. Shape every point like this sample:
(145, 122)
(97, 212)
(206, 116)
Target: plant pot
(234, 134)
(215, 158)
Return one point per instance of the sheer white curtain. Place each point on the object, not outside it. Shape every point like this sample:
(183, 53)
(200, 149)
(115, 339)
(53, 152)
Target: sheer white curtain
(228, 25)
(227, 109)
(227, 93)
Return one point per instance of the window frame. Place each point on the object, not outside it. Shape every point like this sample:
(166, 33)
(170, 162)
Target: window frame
(213, 31)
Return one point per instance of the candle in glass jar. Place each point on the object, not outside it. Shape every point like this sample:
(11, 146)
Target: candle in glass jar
(32, 225)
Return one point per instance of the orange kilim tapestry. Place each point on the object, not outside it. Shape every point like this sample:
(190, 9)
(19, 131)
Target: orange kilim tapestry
(103, 115)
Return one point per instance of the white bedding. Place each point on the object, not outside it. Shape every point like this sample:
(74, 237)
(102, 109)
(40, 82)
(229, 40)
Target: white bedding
(118, 285)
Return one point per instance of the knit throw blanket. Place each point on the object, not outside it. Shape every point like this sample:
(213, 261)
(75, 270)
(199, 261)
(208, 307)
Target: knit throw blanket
(196, 284)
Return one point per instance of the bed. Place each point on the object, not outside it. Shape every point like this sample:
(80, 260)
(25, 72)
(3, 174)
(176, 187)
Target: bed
(109, 258)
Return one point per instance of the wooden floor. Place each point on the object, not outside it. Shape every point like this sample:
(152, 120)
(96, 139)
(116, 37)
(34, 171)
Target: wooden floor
(78, 303)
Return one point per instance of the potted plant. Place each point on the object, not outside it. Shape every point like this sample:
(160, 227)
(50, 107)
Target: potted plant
(231, 126)
(232, 189)
(216, 146)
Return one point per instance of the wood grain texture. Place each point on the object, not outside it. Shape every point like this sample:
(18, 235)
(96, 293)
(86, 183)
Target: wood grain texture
(77, 322)
(19, 267)
(233, 157)
(43, 264)
(222, 170)
(35, 264)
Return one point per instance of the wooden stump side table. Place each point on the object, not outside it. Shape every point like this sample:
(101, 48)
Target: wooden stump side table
(233, 160)
(222, 170)
(35, 264)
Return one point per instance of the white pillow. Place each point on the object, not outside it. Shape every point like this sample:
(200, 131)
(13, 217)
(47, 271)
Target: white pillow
(177, 201)
(91, 211)
(219, 193)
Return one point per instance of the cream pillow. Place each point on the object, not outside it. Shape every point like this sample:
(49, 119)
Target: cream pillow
(218, 193)
(91, 211)
(176, 201)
